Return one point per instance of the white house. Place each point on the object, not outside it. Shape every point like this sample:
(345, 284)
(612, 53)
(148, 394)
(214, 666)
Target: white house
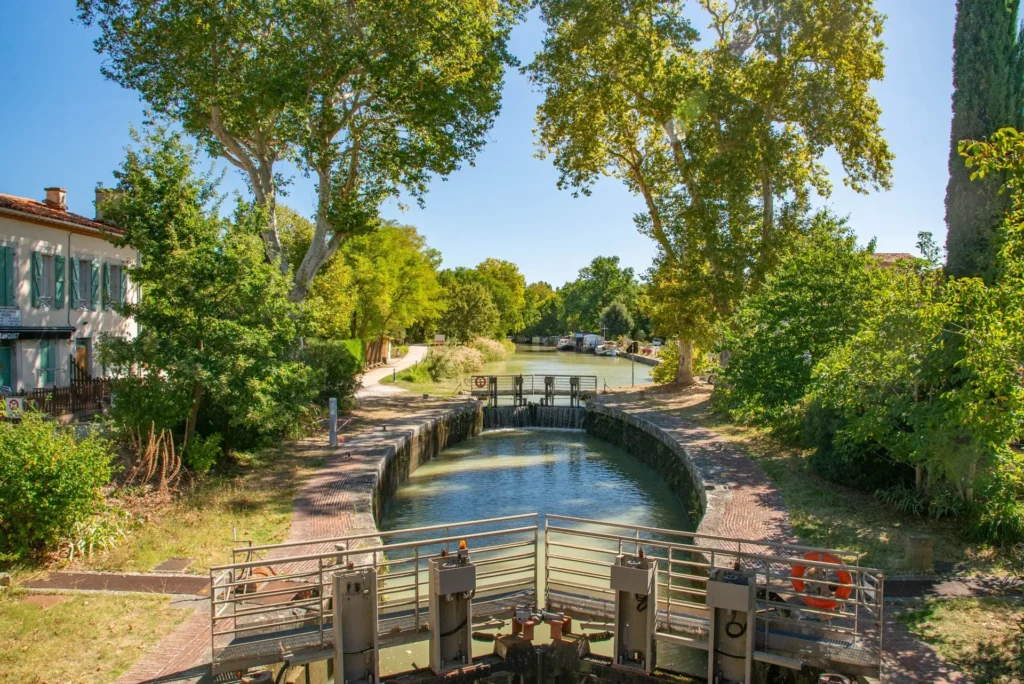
(60, 276)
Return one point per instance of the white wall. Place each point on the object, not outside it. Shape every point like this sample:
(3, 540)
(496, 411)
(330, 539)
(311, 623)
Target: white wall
(28, 237)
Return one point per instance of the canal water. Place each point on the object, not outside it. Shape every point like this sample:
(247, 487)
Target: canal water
(614, 371)
(509, 472)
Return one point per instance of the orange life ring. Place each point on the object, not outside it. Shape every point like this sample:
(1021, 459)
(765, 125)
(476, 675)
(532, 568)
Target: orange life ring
(480, 381)
(840, 592)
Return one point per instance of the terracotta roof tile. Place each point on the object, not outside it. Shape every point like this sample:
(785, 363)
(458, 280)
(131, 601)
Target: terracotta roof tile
(24, 205)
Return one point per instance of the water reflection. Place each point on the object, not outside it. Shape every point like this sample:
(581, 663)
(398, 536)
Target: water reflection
(614, 371)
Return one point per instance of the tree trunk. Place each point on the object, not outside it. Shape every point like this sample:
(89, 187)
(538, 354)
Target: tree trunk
(684, 373)
(193, 414)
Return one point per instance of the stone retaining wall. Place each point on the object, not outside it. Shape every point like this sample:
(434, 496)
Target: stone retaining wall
(421, 443)
(721, 486)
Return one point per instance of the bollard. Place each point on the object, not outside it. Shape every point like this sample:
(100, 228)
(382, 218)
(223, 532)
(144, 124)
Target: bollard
(394, 374)
(919, 553)
(334, 422)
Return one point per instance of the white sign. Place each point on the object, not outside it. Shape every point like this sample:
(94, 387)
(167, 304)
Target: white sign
(14, 406)
(10, 317)
(439, 339)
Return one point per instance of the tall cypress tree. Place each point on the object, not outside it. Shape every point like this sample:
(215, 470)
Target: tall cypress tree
(987, 96)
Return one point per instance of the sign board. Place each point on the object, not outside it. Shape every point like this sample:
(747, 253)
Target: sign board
(9, 336)
(439, 339)
(10, 317)
(13, 406)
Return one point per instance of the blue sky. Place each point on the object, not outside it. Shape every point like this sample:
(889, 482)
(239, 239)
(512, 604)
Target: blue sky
(64, 124)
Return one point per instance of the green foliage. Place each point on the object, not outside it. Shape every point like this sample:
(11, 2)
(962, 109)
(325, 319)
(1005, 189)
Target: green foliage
(698, 128)
(201, 453)
(216, 325)
(418, 373)
(339, 362)
(393, 279)
(808, 306)
(507, 288)
(371, 98)
(665, 372)
(50, 482)
(598, 286)
(469, 310)
(999, 514)
(615, 320)
(988, 94)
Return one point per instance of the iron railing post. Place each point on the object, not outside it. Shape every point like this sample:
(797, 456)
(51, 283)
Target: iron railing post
(320, 580)
(416, 585)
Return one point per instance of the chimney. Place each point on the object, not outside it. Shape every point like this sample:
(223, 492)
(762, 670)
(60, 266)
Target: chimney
(106, 196)
(57, 198)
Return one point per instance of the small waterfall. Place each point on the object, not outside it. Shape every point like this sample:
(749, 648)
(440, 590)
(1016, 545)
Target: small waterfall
(534, 415)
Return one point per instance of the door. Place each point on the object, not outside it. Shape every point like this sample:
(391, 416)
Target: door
(6, 352)
(82, 357)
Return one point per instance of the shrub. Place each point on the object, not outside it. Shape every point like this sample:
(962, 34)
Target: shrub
(49, 483)
(338, 362)
(665, 372)
(492, 350)
(202, 452)
(451, 362)
(417, 373)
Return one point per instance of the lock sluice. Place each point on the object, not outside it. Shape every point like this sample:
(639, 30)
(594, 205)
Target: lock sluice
(744, 605)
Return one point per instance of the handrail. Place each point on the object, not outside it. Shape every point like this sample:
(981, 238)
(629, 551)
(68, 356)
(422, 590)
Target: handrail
(386, 533)
(701, 535)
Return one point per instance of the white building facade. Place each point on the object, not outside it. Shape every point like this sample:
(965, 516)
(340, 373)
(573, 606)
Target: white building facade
(61, 278)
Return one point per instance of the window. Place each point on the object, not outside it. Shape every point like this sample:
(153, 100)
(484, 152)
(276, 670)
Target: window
(115, 284)
(47, 280)
(48, 277)
(83, 295)
(47, 362)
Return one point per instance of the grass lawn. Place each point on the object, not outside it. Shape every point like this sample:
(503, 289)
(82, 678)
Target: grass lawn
(256, 499)
(982, 637)
(83, 638)
(827, 514)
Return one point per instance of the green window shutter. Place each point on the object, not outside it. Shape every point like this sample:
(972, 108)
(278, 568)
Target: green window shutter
(75, 296)
(37, 278)
(6, 284)
(124, 285)
(58, 281)
(94, 283)
(45, 361)
(106, 286)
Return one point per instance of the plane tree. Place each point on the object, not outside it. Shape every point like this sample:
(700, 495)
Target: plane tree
(369, 97)
(723, 139)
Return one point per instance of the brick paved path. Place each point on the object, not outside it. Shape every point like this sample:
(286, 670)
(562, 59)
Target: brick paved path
(740, 500)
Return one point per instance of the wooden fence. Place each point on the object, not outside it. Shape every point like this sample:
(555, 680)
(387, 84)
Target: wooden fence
(81, 396)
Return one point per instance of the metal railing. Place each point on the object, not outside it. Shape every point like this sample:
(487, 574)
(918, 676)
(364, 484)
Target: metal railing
(549, 387)
(579, 552)
(275, 598)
